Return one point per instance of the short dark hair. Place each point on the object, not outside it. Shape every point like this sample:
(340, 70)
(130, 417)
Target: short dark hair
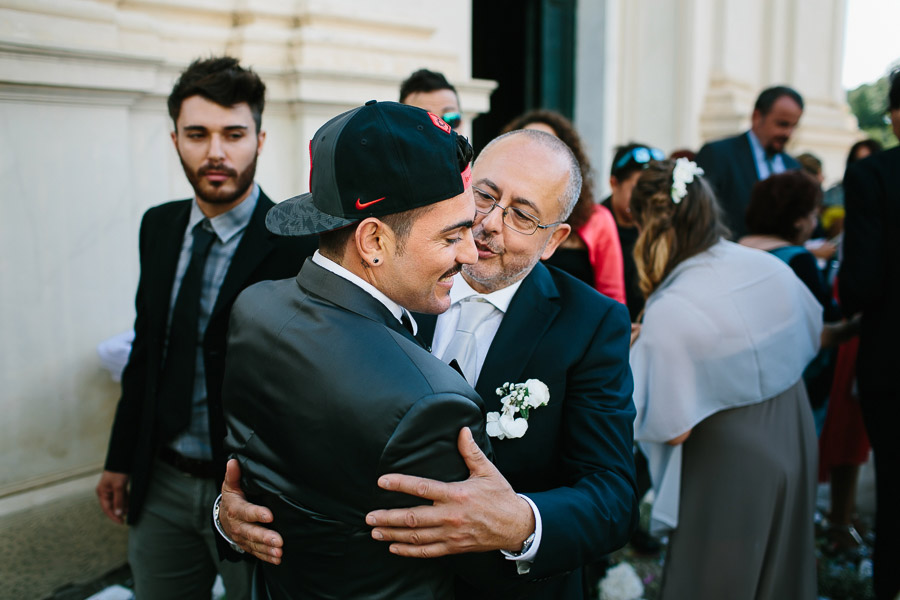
(778, 201)
(810, 163)
(769, 96)
(894, 94)
(424, 80)
(222, 80)
(332, 243)
(872, 145)
(632, 166)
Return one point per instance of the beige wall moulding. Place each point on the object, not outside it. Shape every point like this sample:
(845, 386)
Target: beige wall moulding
(27, 64)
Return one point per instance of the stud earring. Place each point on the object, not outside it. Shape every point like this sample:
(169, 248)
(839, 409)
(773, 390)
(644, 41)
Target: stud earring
(375, 260)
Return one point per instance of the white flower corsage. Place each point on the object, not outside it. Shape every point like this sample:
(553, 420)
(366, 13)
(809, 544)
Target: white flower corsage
(683, 174)
(621, 583)
(518, 399)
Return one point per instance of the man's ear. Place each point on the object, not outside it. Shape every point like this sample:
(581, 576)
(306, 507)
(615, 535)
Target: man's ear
(374, 241)
(755, 118)
(174, 135)
(613, 181)
(556, 238)
(260, 141)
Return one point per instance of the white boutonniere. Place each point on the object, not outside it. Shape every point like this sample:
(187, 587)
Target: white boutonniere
(518, 399)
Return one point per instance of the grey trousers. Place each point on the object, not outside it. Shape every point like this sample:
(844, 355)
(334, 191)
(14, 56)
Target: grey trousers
(172, 548)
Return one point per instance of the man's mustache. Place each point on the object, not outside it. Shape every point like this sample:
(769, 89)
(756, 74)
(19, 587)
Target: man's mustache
(205, 169)
(452, 271)
(487, 242)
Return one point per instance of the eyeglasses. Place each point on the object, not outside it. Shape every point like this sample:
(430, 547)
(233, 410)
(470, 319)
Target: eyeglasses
(516, 219)
(453, 119)
(641, 155)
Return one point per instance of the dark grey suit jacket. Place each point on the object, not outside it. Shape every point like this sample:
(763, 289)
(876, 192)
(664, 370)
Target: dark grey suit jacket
(731, 170)
(324, 392)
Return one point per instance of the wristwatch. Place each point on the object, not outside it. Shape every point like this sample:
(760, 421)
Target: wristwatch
(526, 546)
(221, 531)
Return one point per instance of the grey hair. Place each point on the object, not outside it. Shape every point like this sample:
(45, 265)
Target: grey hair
(570, 195)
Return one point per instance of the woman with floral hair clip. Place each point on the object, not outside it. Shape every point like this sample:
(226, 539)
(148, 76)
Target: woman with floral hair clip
(722, 413)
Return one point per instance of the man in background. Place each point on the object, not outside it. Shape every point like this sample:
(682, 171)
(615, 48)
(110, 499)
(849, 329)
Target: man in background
(869, 282)
(732, 165)
(431, 91)
(165, 460)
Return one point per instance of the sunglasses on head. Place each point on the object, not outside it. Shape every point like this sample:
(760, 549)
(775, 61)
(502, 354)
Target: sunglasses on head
(453, 119)
(641, 155)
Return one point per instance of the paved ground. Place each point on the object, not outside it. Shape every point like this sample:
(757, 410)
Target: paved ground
(63, 544)
(67, 549)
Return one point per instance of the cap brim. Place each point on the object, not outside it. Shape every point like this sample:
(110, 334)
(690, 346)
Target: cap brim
(298, 216)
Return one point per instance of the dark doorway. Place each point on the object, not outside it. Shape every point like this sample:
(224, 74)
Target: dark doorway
(528, 47)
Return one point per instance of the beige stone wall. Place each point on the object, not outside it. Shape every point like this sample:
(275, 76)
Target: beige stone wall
(683, 72)
(86, 150)
(86, 147)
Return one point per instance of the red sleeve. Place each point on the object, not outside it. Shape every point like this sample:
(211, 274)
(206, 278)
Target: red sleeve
(601, 237)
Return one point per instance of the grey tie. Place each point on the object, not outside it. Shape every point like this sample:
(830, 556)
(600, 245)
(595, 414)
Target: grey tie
(464, 347)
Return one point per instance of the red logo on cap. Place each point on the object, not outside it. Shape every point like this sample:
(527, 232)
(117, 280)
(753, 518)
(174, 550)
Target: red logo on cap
(467, 176)
(364, 205)
(439, 122)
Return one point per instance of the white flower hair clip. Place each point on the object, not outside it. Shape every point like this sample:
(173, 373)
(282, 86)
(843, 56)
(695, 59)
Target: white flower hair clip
(683, 174)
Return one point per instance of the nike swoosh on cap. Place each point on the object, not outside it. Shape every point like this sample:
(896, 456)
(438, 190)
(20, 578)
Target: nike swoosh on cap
(364, 205)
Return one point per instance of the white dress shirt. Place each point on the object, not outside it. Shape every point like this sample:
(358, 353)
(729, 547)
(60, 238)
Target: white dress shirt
(396, 309)
(765, 166)
(444, 329)
(484, 335)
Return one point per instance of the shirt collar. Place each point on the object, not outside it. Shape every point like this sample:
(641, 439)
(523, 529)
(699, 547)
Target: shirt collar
(500, 299)
(228, 224)
(758, 151)
(396, 310)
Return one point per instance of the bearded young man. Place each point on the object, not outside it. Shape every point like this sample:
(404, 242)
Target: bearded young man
(165, 454)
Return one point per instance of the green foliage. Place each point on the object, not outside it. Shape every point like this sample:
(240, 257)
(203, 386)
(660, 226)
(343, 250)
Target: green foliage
(868, 103)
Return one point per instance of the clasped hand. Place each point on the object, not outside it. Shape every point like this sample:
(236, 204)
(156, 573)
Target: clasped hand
(479, 514)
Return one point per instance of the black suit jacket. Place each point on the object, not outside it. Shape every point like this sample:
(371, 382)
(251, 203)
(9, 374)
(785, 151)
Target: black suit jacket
(575, 461)
(731, 170)
(325, 391)
(260, 255)
(869, 278)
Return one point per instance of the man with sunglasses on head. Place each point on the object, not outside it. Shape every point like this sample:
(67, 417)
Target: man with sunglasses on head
(431, 91)
(733, 165)
(512, 319)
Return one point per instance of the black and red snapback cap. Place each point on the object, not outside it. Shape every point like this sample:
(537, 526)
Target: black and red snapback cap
(378, 159)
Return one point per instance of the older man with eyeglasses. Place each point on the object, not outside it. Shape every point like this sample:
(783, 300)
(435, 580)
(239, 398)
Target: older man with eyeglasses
(514, 320)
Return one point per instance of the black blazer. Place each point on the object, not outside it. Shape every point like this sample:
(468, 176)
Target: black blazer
(575, 461)
(869, 277)
(324, 392)
(259, 256)
(731, 170)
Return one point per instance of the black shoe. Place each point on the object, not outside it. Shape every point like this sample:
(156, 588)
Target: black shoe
(644, 543)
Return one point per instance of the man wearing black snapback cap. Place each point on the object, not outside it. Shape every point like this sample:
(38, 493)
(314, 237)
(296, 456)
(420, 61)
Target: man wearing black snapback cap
(326, 387)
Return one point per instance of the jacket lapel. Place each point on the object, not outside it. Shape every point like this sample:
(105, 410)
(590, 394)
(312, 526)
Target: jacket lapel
(528, 317)
(746, 161)
(339, 291)
(164, 261)
(255, 246)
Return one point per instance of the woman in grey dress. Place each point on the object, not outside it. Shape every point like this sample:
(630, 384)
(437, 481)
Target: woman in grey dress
(722, 411)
